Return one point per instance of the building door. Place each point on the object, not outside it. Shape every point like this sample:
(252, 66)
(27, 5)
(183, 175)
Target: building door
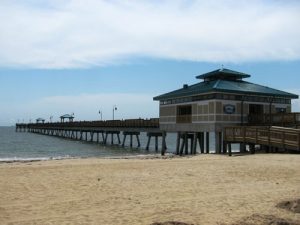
(184, 114)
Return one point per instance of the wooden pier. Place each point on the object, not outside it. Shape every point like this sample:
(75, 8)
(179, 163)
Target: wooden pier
(278, 119)
(108, 133)
(272, 138)
(101, 131)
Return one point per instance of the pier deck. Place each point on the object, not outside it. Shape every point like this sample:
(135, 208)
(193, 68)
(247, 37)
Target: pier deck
(270, 137)
(284, 135)
(87, 130)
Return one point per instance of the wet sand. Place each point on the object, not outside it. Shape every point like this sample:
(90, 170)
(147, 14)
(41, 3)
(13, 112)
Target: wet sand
(205, 189)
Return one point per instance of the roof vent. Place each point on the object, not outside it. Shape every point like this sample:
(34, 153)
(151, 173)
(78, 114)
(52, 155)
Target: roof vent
(185, 86)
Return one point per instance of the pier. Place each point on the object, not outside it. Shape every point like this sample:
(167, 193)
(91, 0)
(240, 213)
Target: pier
(109, 133)
(272, 139)
(272, 133)
(104, 132)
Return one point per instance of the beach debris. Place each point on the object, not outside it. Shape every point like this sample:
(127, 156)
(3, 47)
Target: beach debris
(257, 219)
(171, 223)
(292, 205)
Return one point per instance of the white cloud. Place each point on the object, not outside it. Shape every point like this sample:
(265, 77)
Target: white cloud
(75, 33)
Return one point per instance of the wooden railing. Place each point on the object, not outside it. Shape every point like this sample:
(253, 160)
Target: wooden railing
(286, 138)
(131, 123)
(278, 119)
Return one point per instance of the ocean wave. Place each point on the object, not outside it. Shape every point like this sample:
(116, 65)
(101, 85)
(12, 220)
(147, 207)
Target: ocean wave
(32, 159)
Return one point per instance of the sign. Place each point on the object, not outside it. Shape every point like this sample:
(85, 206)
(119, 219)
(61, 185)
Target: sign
(229, 109)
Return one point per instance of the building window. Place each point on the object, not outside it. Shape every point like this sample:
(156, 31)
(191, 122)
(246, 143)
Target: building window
(280, 110)
(184, 114)
(232, 97)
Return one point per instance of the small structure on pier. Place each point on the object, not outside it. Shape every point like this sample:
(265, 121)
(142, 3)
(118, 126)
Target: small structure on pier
(67, 117)
(40, 120)
(222, 99)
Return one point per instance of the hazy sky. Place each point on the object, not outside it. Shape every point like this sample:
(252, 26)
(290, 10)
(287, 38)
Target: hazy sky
(60, 57)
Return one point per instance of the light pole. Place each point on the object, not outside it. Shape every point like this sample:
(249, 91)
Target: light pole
(100, 113)
(51, 117)
(114, 109)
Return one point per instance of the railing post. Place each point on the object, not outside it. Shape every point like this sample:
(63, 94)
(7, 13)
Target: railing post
(283, 140)
(298, 141)
(269, 138)
(233, 134)
(256, 135)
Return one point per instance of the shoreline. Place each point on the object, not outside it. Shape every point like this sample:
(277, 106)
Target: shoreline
(45, 159)
(136, 156)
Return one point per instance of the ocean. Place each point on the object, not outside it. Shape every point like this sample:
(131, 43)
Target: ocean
(24, 146)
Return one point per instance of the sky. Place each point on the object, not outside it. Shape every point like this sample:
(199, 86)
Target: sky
(82, 57)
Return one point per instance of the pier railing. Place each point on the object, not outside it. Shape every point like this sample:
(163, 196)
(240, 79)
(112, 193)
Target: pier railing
(285, 138)
(130, 123)
(278, 119)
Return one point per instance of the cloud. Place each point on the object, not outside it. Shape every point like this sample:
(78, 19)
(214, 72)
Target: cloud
(75, 33)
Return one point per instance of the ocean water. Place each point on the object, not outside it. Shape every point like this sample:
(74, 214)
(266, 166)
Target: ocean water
(24, 146)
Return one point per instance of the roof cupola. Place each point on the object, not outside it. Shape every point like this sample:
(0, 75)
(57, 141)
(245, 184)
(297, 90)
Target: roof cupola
(223, 74)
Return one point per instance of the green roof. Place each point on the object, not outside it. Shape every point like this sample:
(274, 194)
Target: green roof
(223, 74)
(219, 83)
(67, 116)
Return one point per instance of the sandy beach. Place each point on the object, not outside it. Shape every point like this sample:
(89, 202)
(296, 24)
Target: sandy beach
(205, 189)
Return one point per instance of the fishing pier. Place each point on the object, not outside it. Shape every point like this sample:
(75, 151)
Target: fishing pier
(102, 131)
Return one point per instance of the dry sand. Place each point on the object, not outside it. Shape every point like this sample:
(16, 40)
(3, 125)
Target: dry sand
(205, 189)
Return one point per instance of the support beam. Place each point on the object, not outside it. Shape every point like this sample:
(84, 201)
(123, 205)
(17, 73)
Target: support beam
(207, 142)
(124, 139)
(218, 142)
(138, 140)
(178, 143)
(182, 144)
(148, 142)
(131, 140)
(229, 149)
(118, 136)
(194, 149)
(186, 150)
(156, 143)
(164, 147)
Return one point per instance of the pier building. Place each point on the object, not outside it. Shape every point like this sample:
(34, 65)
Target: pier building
(67, 117)
(222, 99)
(40, 120)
